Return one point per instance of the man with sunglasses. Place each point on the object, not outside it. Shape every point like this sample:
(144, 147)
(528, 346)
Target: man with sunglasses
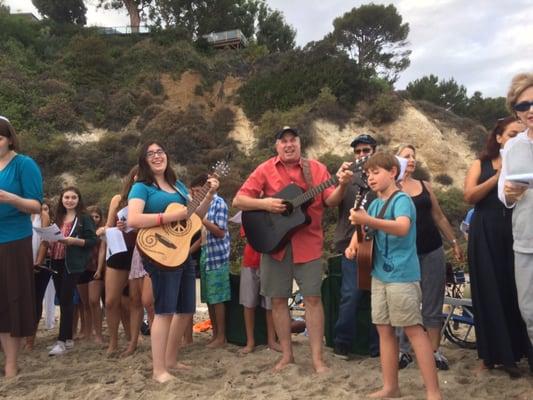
(345, 327)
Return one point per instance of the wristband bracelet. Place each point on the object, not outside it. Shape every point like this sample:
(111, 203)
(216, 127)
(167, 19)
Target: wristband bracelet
(159, 219)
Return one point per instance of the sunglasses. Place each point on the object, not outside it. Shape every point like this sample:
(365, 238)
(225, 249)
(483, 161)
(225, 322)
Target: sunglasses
(364, 150)
(523, 106)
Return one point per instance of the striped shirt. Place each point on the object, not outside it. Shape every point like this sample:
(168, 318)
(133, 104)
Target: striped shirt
(217, 248)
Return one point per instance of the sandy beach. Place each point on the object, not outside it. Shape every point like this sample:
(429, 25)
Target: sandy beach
(87, 373)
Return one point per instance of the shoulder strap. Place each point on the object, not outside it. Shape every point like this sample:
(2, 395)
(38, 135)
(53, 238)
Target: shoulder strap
(384, 208)
(307, 173)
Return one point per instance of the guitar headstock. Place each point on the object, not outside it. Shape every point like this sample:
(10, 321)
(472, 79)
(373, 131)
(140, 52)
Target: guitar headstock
(360, 200)
(220, 169)
(357, 165)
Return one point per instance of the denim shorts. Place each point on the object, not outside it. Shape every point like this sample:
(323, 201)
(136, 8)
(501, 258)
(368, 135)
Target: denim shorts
(174, 289)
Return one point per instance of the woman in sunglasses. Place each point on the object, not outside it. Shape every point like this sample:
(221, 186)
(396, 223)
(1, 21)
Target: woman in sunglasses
(516, 193)
(500, 332)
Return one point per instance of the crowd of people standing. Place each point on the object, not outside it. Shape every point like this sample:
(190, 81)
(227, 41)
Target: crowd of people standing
(408, 277)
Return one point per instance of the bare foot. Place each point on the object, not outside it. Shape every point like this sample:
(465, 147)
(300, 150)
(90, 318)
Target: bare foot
(10, 371)
(282, 364)
(321, 368)
(129, 351)
(163, 377)
(249, 348)
(180, 366)
(215, 344)
(481, 368)
(111, 350)
(385, 393)
(98, 340)
(275, 346)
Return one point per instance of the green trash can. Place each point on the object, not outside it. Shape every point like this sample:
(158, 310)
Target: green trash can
(235, 331)
(331, 297)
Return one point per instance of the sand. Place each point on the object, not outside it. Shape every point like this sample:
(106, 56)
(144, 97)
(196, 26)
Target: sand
(87, 373)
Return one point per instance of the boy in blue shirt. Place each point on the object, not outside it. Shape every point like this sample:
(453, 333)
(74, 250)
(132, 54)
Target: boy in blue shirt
(396, 294)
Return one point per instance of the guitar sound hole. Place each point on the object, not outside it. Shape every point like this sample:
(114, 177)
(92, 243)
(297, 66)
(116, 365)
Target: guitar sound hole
(288, 211)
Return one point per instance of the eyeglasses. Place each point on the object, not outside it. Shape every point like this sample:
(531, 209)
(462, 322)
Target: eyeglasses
(152, 154)
(523, 106)
(363, 150)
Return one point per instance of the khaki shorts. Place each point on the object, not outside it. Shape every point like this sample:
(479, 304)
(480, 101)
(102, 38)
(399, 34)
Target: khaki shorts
(396, 304)
(277, 276)
(249, 289)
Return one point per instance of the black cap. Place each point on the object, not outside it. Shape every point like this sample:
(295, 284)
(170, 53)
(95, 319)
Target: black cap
(286, 129)
(364, 139)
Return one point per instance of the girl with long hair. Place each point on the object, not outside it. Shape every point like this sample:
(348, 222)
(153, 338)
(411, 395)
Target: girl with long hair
(501, 335)
(173, 289)
(69, 259)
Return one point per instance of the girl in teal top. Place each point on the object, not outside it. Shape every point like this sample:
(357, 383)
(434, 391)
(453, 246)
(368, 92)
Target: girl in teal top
(173, 290)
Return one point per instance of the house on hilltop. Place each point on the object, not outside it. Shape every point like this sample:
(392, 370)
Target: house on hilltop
(233, 39)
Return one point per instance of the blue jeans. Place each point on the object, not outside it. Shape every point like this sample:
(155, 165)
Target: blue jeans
(346, 325)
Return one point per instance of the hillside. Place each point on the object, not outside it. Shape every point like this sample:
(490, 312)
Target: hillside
(83, 103)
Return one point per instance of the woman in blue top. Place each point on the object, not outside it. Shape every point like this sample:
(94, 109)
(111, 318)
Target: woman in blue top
(21, 192)
(173, 290)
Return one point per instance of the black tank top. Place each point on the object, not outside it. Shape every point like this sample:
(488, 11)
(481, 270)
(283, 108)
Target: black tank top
(427, 235)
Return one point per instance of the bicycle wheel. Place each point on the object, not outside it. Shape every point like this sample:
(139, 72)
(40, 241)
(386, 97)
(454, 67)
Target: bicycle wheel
(460, 328)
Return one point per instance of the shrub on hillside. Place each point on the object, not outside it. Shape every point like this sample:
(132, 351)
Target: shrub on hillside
(452, 204)
(92, 104)
(384, 109)
(147, 115)
(122, 108)
(421, 172)
(59, 113)
(444, 179)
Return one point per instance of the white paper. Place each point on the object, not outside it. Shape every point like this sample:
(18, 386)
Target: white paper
(521, 179)
(403, 165)
(122, 215)
(115, 242)
(237, 218)
(50, 233)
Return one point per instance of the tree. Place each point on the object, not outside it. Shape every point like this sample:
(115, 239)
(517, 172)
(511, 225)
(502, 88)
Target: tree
(135, 9)
(376, 37)
(445, 93)
(199, 17)
(62, 11)
(273, 32)
(4, 8)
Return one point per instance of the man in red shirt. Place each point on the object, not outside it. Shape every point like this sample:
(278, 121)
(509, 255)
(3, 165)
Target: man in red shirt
(300, 259)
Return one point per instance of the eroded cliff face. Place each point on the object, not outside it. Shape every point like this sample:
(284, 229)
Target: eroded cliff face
(442, 150)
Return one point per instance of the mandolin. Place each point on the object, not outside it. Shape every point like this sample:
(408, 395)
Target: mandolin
(269, 232)
(168, 245)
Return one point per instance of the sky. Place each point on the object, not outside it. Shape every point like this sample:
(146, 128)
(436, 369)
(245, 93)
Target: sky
(479, 43)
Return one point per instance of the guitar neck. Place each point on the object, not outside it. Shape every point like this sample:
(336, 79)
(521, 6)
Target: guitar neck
(313, 192)
(197, 200)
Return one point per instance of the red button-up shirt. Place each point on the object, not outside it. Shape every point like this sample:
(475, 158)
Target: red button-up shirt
(271, 177)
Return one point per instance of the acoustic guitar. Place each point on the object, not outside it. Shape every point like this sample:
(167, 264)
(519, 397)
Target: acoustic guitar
(168, 245)
(365, 239)
(269, 232)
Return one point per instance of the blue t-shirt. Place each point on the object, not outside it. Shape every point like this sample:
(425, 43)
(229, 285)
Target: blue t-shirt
(22, 177)
(395, 258)
(157, 200)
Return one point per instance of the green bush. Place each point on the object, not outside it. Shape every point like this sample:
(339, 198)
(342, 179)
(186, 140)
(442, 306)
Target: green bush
(444, 179)
(385, 108)
(452, 204)
(59, 113)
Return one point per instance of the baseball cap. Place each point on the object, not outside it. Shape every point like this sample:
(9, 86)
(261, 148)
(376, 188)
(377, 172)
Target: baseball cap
(364, 139)
(284, 130)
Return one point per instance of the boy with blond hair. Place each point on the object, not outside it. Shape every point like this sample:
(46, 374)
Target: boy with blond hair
(396, 294)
